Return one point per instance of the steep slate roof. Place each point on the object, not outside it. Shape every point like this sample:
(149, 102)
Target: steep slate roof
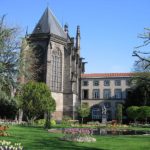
(49, 24)
(101, 75)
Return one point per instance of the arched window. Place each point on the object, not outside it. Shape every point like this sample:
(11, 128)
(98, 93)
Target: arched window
(56, 71)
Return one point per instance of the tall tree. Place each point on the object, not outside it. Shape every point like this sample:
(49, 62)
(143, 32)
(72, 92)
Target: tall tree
(9, 50)
(35, 98)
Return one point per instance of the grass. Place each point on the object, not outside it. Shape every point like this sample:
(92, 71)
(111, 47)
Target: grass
(33, 138)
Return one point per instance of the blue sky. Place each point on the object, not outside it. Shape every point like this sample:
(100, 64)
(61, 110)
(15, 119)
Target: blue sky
(109, 28)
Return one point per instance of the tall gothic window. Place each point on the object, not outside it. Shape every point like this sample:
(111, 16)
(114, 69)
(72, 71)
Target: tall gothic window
(56, 70)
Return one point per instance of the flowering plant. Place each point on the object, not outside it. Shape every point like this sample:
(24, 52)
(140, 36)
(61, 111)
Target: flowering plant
(3, 130)
(78, 131)
(5, 145)
(78, 135)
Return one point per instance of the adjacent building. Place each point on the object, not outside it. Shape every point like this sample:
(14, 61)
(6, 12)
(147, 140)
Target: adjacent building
(106, 89)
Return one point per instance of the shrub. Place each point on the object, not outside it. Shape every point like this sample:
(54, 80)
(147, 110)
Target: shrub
(133, 112)
(53, 122)
(93, 123)
(66, 120)
(41, 122)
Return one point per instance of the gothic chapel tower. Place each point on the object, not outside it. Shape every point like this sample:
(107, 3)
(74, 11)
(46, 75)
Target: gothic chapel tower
(63, 65)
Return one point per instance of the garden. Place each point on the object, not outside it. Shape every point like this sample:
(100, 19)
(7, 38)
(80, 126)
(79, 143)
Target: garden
(32, 101)
(36, 137)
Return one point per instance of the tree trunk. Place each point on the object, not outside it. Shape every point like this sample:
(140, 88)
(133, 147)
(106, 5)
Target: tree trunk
(82, 121)
(145, 98)
(20, 116)
(48, 118)
(134, 121)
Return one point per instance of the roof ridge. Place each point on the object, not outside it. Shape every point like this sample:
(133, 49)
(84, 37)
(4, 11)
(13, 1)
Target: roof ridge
(107, 74)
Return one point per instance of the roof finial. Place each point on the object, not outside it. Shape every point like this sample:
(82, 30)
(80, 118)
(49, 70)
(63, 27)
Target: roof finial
(26, 34)
(47, 4)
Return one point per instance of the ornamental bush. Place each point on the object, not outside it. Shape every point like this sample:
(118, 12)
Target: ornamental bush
(66, 120)
(41, 122)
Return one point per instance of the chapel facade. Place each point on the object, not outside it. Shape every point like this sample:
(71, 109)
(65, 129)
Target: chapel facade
(62, 63)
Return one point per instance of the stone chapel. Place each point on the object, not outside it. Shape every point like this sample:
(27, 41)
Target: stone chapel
(62, 61)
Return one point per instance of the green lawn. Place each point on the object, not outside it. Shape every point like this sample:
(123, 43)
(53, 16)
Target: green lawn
(39, 139)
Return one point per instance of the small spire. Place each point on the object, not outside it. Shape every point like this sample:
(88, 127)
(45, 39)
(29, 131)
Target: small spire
(78, 40)
(78, 30)
(66, 28)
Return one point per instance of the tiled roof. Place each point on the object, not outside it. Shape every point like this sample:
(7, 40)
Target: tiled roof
(107, 75)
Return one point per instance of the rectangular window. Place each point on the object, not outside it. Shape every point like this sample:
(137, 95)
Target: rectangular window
(96, 94)
(106, 83)
(106, 94)
(118, 93)
(85, 94)
(127, 82)
(107, 104)
(96, 113)
(96, 83)
(117, 82)
(85, 83)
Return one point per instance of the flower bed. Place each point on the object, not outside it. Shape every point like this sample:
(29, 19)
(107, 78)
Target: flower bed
(78, 135)
(5, 145)
(3, 130)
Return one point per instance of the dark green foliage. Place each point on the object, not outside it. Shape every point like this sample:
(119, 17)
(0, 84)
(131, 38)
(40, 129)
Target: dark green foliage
(144, 112)
(35, 98)
(9, 50)
(139, 94)
(8, 108)
(133, 112)
(119, 113)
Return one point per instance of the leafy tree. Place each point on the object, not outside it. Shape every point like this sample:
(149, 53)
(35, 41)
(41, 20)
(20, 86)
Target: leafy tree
(9, 49)
(119, 113)
(84, 110)
(139, 93)
(144, 112)
(35, 98)
(133, 112)
(8, 106)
